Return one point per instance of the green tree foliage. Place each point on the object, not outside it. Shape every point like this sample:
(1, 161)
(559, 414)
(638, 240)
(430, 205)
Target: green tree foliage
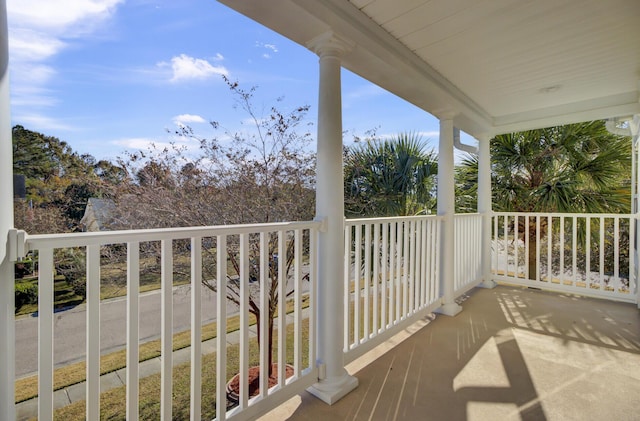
(466, 184)
(573, 168)
(59, 181)
(579, 168)
(391, 177)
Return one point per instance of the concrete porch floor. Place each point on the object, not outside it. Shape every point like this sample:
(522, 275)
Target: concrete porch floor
(511, 354)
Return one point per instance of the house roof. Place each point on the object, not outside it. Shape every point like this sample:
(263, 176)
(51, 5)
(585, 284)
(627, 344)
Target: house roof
(496, 65)
(98, 212)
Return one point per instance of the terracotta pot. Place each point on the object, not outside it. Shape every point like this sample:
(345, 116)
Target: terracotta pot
(233, 386)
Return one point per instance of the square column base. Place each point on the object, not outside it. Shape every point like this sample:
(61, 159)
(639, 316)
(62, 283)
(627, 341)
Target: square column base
(331, 392)
(450, 309)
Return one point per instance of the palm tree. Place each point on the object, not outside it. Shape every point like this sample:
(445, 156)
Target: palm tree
(579, 168)
(392, 177)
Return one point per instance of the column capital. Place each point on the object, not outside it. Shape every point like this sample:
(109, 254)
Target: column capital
(484, 137)
(634, 125)
(448, 113)
(447, 124)
(330, 44)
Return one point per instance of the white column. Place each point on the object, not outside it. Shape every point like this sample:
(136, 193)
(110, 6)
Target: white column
(7, 297)
(484, 207)
(334, 381)
(446, 209)
(634, 126)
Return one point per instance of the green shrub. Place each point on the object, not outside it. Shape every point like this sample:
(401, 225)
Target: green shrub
(23, 268)
(26, 293)
(79, 286)
(71, 263)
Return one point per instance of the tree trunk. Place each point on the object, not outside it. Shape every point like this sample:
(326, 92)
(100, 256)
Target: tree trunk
(269, 338)
(531, 258)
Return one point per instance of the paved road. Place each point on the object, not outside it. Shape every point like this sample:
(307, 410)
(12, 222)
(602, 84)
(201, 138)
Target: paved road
(70, 325)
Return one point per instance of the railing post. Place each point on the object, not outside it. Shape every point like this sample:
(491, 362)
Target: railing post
(446, 209)
(484, 207)
(7, 288)
(334, 381)
(636, 259)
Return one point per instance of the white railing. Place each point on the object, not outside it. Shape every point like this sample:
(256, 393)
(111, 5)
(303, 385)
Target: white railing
(468, 252)
(391, 272)
(259, 254)
(588, 254)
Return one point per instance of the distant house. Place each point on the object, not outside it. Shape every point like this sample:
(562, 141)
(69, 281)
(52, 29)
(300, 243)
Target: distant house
(97, 214)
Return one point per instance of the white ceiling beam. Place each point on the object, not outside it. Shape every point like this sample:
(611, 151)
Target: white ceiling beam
(596, 109)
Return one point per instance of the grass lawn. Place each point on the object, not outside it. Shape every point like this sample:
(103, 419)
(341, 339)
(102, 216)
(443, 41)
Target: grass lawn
(63, 295)
(112, 403)
(113, 281)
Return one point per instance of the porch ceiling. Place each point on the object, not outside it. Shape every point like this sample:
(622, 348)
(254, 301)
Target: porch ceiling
(497, 65)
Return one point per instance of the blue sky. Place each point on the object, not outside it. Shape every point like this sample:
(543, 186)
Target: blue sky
(113, 75)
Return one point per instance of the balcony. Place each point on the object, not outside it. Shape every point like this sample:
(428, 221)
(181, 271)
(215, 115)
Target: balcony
(511, 353)
(507, 353)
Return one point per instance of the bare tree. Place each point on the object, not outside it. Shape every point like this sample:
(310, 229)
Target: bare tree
(263, 172)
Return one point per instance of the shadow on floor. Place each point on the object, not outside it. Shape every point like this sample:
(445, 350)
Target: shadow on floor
(511, 354)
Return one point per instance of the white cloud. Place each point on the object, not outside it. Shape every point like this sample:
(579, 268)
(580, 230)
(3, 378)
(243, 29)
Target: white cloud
(271, 47)
(185, 67)
(154, 147)
(140, 143)
(252, 122)
(68, 18)
(38, 31)
(38, 75)
(435, 134)
(218, 57)
(183, 119)
(29, 85)
(29, 45)
(40, 122)
(366, 91)
(429, 137)
(36, 99)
